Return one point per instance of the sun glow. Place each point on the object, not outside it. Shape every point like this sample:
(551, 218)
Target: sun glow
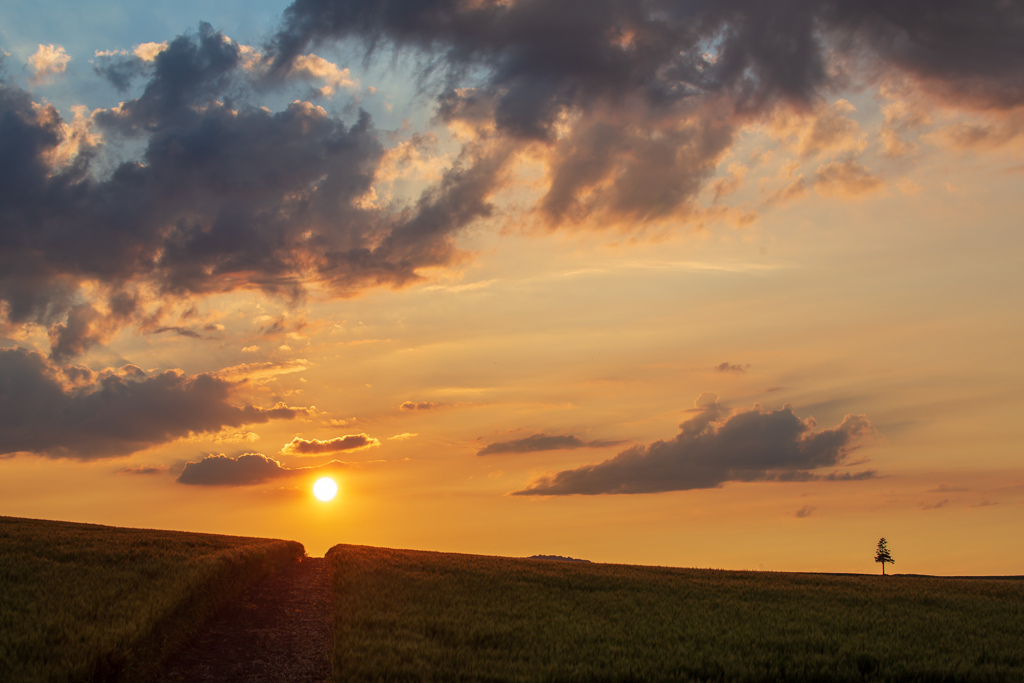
(325, 489)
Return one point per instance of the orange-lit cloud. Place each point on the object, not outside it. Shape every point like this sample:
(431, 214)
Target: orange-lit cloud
(313, 67)
(261, 371)
(48, 60)
(349, 442)
(827, 130)
(845, 179)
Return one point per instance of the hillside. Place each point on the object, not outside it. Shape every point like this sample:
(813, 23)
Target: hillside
(89, 602)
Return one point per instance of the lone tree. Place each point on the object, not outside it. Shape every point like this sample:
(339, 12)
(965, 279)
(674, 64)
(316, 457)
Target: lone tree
(882, 555)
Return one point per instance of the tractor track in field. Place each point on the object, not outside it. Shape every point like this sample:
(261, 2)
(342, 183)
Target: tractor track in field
(279, 630)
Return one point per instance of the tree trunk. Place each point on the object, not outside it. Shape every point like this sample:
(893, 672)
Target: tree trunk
(883, 569)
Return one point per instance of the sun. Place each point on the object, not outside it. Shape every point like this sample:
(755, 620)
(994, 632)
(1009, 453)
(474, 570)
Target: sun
(325, 489)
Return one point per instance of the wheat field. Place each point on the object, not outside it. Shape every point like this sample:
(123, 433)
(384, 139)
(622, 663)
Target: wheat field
(81, 602)
(422, 616)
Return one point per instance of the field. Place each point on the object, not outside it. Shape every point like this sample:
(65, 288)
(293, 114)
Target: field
(410, 616)
(86, 602)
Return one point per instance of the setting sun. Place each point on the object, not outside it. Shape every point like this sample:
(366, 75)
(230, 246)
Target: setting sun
(325, 489)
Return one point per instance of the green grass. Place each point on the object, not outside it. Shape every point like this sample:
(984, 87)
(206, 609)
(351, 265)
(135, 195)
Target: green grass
(412, 616)
(81, 602)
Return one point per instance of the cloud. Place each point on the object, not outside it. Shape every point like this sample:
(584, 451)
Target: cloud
(848, 476)
(404, 436)
(935, 505)
(634, 102)
(845, 179)
(732, 367)
(240, 436)
(349, 442)
(147, 52)
(420, 405)
(225, 195)
(117, 414)
(261, 372)
(245, 470)
(826, 130)
(542, 442)
(48, 60)
(313, 67)
(791, 191)
(805, 511)
(714, 447)
(630, 105)
(145, 469)
(947, 488)
(541, 57)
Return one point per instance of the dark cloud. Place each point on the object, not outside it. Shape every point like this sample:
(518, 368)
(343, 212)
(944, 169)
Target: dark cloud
(971, 52)
(848, 476)
(646, 169)
(714, 447)
(634, 101)
(120, 70)
(732, 367)
(226, 195)
(542, 442)
(247, 469)
(349, 442)
(419, 405)
(805, 511)
(142, 470)
(120, 413)
(182, 331)
(543, 56)
(640, 98)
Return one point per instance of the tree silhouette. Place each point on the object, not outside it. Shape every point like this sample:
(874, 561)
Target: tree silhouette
(882, 554)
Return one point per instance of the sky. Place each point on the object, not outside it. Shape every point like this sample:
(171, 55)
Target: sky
(703, 284)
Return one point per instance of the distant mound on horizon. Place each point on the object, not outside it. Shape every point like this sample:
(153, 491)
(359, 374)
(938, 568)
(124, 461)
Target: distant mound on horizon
(555, 557)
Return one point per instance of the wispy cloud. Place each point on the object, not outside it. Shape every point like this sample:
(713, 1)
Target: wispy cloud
(543, 442)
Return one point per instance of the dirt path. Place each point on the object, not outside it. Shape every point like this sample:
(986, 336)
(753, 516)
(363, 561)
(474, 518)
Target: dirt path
(277, 631)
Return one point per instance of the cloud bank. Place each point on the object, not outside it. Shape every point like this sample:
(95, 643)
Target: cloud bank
(73, 414)
(715, 447)
(636, 101)
(630, 105)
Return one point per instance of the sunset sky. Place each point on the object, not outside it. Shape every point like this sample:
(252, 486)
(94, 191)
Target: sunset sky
(718, 284)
